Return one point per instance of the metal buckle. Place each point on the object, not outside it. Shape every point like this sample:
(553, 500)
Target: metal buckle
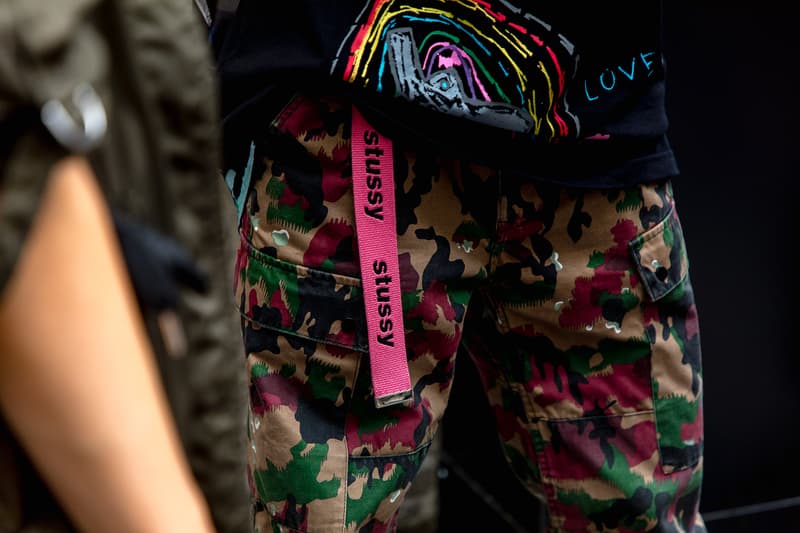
(202, 6)
(403, 397)
(63, 127)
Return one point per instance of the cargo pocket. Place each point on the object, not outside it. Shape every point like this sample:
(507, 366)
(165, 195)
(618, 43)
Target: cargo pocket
(660, 257)
(302, 337)
(672, 328)
(300, 301)
(320, 453)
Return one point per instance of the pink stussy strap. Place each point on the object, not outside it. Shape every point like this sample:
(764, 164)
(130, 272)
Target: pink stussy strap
(373, 190)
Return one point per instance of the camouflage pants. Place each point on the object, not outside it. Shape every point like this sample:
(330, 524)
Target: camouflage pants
(575, 304)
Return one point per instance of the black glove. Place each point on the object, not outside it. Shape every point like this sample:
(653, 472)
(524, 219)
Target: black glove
(158, 266)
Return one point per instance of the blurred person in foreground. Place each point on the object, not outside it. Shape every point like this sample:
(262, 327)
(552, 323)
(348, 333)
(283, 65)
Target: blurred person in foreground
(417, 176)
(119, 410)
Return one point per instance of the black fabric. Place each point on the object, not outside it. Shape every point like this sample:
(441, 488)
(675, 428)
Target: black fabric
(158, 265)
(579, 102)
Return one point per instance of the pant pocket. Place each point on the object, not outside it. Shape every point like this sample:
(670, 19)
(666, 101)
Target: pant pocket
(298, 300)
(302, 340)
(299, 208)
(322, 457)
(671, 324)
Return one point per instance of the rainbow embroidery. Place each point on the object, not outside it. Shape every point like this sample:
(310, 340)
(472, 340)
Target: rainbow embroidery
(493, 64)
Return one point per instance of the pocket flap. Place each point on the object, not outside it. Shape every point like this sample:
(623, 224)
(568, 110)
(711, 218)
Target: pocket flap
(301, 301)
(660, 256)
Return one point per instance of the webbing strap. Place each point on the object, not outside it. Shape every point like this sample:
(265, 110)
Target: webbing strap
(373, 191)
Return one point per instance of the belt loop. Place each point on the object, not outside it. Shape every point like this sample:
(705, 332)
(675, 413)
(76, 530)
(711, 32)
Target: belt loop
(376, 226)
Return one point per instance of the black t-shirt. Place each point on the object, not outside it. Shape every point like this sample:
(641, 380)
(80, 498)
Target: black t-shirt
(569, 92)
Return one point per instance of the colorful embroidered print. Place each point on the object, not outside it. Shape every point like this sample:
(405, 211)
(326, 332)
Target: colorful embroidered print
(493, 64)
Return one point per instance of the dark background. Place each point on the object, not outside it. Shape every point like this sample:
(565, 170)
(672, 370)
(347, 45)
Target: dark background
(733, 106)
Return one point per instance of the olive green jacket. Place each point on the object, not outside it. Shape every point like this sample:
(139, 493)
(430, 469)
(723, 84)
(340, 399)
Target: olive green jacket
(154, 146)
